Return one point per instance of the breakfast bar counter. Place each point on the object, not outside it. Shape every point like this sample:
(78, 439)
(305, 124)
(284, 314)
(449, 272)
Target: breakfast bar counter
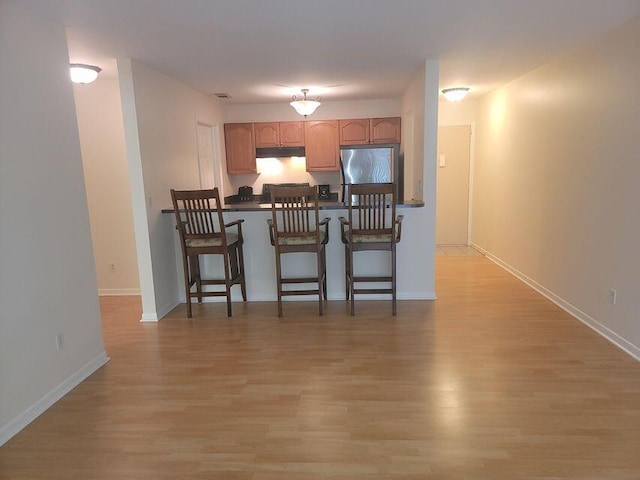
(258, 206)
(260, 258)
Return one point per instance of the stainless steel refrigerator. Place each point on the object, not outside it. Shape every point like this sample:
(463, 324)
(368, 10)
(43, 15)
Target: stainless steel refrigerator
(372, 164)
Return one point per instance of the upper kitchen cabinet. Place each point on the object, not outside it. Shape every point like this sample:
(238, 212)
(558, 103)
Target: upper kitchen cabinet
(385, 130)
(279, 134)
(354, 131)
(322, 145)
(240, 147)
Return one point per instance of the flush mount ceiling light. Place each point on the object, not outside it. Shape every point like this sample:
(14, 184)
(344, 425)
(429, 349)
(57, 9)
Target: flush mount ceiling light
(81, 73)
(455, 94)
(305, 107)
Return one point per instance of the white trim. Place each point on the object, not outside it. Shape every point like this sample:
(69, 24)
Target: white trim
(38, 408)
(161, 312)
(118, 292)
(588, 320)
(472, 169)
(332, 298)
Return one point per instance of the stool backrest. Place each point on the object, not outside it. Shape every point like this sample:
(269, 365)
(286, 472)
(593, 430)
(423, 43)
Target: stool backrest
(198, 214)
(295, 210)
(372, 208)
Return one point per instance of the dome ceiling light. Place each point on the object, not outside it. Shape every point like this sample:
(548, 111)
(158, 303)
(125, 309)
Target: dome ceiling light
(455, 94)
(305, 107)
(81, 73)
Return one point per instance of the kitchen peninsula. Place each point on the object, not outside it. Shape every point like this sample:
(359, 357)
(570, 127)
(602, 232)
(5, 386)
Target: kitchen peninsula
(260, 260)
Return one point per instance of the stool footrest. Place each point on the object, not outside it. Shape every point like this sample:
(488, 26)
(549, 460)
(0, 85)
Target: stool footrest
(372, 279)
(300, 280)
(372, 290)
(299, 292)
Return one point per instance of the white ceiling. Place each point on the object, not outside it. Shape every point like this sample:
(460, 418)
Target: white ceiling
(352, 49)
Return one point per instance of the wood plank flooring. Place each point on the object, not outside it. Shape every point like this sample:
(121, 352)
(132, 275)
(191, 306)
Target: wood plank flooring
(491, 381)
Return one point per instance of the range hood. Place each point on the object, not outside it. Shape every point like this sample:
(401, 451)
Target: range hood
(280, 152)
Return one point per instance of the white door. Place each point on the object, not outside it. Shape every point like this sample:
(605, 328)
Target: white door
(452, 194)
(207, 156)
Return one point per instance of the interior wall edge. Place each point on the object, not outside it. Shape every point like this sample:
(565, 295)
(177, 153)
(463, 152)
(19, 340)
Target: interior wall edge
(588, 320)
(14, 426)
(118, 292)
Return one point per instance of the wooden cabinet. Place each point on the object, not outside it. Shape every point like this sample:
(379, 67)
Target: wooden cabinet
(321, 139)
(279, 134)
(240, 147)
(354, 131)
(292, 134)
(362, 131)
(385, 130)
(322, 145)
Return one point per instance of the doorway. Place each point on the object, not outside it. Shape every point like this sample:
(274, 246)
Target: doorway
(208, 162)
(453, 185)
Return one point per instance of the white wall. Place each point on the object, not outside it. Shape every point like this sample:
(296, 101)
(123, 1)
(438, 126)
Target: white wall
(283, 112)
(419, 105)
(556, 181)
(413, 116)
(160, 116)
(457, 113)
(107, 182)
(47, 276)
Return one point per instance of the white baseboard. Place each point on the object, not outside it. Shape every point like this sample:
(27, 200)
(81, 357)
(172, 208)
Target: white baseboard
(589, 321)
(34, 411)
(118, 292)
(336, 297)
(161, 312)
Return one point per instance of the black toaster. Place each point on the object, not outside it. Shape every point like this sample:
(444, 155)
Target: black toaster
(245, 194)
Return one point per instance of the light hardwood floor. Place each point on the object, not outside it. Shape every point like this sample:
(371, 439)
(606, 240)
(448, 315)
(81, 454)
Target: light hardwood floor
(491, 381)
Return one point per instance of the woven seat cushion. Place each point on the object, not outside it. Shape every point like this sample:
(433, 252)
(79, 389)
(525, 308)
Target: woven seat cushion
(301, 240)
(370, 238)
(211, 242)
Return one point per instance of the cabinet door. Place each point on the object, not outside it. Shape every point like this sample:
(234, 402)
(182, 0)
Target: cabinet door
(322, 145)
(385, 130)
(291, 134)
(354, 131)
(267, 134)
(240, 147)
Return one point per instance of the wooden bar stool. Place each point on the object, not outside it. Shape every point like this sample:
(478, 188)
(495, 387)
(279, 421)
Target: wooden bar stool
(293, 228)
(203, 232)
(371, 226)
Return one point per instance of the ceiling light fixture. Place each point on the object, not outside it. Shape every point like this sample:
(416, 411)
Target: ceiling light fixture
(305, 107)
(455, 94)
(81, 73)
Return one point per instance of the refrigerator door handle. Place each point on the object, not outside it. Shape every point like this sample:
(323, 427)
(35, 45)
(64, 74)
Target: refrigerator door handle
(342, 178)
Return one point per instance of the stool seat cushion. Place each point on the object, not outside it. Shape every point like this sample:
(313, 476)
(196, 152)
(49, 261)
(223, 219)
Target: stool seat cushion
(370, 238)
(211, 242)
(297, 240)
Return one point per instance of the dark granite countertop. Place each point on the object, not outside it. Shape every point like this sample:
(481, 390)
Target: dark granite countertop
(257, 206)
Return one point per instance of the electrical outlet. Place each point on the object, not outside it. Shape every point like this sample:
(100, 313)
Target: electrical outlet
(613, 296)
(113, 267)
(60, 341)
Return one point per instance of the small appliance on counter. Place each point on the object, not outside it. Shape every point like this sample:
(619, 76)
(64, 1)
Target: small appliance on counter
(245, 194)
(324, 192)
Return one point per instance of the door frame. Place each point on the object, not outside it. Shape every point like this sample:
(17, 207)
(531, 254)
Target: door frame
(472, 158)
